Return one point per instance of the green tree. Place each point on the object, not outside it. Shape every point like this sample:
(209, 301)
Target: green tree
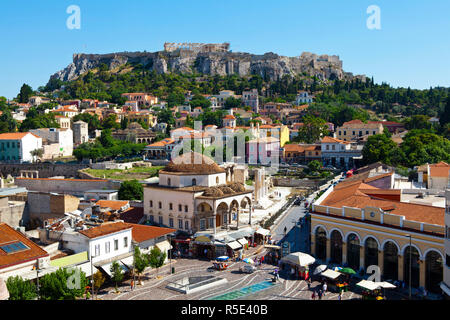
(131, 190)
(25, 93)
(7, 122)
(421, 146)
(312, 130)
(232, 102)
(37, 153)
(314, 165)
(117, 274)
(200, 101)
(110, 122)
(156, 258)
(140, 262)
(445, 115)
(63, 284)
(379, 147)
(99, 279)
(20, 289)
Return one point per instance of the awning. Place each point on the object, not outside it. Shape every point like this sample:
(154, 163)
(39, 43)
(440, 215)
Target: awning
(246, 232)
(330, 274)
(243, 241)
(272, 246)
(369, 285)
(263, 231)
(234, 245)
(128, 261)
(164, 246)
(107, 268)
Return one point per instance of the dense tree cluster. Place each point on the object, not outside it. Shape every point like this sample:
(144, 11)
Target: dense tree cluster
(106, 148)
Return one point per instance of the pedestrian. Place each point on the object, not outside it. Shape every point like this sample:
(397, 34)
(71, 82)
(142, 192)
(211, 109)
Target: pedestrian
(320, 294)
(313, 296)
(340, 295)
(324, 288)
(309, 283)
(262, 259)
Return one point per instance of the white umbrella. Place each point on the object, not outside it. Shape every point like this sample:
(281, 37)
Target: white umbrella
(386, 285)
(299, 258)
(320, 269)
(369, 285)
(4, 293)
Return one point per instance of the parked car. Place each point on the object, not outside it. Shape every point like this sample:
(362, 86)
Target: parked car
(247, 269)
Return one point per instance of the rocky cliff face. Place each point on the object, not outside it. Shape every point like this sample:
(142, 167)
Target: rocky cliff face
(269, 65)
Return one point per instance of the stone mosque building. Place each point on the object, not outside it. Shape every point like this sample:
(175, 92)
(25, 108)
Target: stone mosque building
(195, 194)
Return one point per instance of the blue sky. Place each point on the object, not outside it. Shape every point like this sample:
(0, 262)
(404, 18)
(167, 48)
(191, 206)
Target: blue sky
(411, 49)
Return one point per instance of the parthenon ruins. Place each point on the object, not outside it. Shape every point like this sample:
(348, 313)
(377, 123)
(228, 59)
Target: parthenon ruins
(197, 47)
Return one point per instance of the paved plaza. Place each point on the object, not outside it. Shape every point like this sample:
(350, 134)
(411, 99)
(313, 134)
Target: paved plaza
(154, 287)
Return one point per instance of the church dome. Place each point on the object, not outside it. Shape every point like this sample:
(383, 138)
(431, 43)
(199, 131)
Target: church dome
(193, 163)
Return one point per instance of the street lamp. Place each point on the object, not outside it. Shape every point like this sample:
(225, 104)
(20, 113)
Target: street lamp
(410, 264)
(37, 278)
(92, 278)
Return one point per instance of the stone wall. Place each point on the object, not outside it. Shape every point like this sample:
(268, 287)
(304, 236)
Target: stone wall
(46, 170)
(293, 182)
(68, 186)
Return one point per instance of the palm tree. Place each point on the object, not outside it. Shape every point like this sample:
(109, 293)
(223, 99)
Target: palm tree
(38, 153)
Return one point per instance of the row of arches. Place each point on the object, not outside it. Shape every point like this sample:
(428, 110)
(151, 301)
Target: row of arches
(371, 247)
(224, 213)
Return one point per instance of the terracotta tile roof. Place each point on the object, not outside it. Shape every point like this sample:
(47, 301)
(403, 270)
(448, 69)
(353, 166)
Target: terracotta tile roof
(293, 148)
(441, 172)
(229, 116)
(104, 229)
(132, 215)
(356, 194)
(113, 204)
(7, 236)
(328, 139)
(141, 233)
(15, 135)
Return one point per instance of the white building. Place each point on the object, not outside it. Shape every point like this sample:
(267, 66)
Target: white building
(17, 146)
(445, 285)
(195, 194)
(63, 137)
(303, 97)
(340, 153)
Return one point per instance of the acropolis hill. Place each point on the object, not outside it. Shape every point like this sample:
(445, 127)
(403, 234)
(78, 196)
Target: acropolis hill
(212, 59)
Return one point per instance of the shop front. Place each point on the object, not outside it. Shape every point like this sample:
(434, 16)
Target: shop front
(203, 247)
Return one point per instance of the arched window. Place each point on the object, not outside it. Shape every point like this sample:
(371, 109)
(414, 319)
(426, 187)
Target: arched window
(415, 267)
(321, 244)
(336, 247)
(353, 251)
(390, 261)
(433, 271)
(194, 182)
(371, 252)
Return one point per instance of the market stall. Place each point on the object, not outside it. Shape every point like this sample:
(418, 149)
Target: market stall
(234, 248)
(372, 290)
(299, 262)
(273, 254)
(335, 280)
(261, 236)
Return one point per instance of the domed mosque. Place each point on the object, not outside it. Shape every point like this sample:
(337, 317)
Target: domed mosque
(193, 194)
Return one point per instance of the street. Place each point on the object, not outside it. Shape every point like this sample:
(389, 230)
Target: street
(154, 288)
